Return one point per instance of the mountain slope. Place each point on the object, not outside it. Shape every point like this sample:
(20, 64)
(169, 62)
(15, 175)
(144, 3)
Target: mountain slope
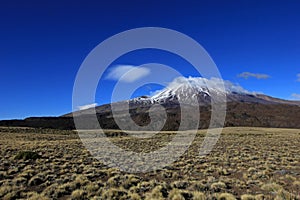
(243, 108)
(191, 91)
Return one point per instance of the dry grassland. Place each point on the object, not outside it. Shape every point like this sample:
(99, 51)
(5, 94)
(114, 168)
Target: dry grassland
(246, 163)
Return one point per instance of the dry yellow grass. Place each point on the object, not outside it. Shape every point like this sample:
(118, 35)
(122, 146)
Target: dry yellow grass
(246, 163)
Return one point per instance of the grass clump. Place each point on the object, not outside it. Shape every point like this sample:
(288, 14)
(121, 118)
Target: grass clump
(198, 196)
(175, 194)
(226, 196)
(5, 190)
(155, 194)
(36, 180)
(134, 196)
(271, 187)
(36, 196)
(247, 197)
(78, 194)
(218, 186)
(115, 193)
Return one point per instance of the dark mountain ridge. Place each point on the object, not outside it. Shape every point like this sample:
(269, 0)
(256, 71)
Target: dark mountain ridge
(243, 108)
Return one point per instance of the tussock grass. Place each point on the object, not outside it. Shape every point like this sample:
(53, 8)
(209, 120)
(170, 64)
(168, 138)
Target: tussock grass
(246, 163)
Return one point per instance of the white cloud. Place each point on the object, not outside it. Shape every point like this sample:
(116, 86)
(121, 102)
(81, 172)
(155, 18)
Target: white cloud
(127, 73)
(84, 107)
(298, 77)
(247, 75)
(296, 96)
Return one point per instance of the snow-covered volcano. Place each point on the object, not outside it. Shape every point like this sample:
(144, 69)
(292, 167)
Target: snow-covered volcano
(185, 89)
(191, 91)
(202, 91)
(243, 108)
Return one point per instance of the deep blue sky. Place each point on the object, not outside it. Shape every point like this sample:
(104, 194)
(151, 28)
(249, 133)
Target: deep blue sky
(43, 43)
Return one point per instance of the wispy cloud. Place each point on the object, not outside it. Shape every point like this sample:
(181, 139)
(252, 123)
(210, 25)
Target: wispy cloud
(127, 73)
(247, 75)
(298, 77)
(84, 107)
(296, 96)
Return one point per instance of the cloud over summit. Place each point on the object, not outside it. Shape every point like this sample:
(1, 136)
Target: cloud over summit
(247, 75)
(298, 77)
(127, 73)
(296, 96)
(84, 107)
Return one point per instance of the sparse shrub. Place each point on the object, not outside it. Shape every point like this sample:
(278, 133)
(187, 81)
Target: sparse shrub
(251, 170)
(180, 184)
(81, 180)
(91, 187)
(134, 196)
(186, 194)
(114, 181)
(175, 194)
(35, 180)
(198, 186)
(13, 171)
(143, 187)
(27, 155)
(259, 197)
(296, 183)
(36, 196)
(218, 186)
(95, 198)
(20, 180)
(11, 195)
(27, 173)
(130, 181)
(134, 189)
(225, 172)
(67, 187)
(78, 194)
(178, 197)
(198, 196)
(271, 187)
(4, 189)
(282, 195)
(155, 193)
(51, 191)
(115, 193)
(247, 197)
(226, 196)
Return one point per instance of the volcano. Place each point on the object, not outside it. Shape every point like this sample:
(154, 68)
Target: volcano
(243, 108)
